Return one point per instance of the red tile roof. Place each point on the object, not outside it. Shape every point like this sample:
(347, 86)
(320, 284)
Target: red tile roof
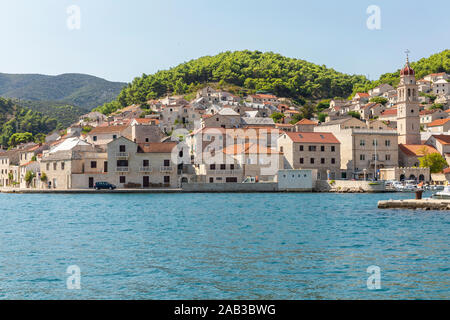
(389, 112)
(307, 121)
(417, 149)
(312, 137)
(443, 139)
(438, 122)
(107, 129)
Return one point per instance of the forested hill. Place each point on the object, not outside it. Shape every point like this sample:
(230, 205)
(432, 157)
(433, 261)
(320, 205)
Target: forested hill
(248, 71)
(251, 71)
(439, 62)
(15, 119)
(80, 90)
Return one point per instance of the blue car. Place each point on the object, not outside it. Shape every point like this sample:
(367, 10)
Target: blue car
(104, 185)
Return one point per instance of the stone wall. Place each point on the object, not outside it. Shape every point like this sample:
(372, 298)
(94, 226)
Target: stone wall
(349, 186)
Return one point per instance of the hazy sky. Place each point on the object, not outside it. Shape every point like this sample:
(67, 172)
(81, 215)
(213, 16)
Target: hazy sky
(119, 40)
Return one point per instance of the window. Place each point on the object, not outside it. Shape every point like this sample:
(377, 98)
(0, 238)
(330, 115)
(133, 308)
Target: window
(223, 167)
(388, 157)
(211, 180)
(94, 138)
(362, 157)
(114, 137)
(281, 149)
(62, 165)
(333, 160)
(231, 166)
(48, 166)
(212, 167)
(145, 163)
(122, 163)
(146, 140)
(105, 166)
(122, 148)
(333, 149)
(362, 142)
(93, 164)
(375, 143)
(311, 160)
(54, 166)
(322, 148)
(301, 160)
(322, 160)
(301, 148)
(166, 179)
(312, 148)
(387, 143)
(122, 179)
(166, 163)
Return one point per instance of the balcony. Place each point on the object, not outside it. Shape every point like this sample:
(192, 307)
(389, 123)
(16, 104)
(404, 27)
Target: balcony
(166, 169)
(226, 172)
(122, 169)
(122, 155)
(146, 169)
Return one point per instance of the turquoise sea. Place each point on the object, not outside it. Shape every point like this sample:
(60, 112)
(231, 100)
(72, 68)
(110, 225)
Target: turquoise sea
(220, 246)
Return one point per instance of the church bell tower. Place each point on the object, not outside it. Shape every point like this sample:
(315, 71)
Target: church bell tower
(408, 118)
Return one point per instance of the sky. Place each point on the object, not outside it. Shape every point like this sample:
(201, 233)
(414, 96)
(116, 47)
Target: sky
(119, 40)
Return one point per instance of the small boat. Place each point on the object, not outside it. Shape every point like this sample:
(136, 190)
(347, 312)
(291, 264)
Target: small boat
(444, 194)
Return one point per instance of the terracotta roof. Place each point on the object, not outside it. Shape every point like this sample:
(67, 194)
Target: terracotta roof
(248, 148)
(146, 120)
(446, 171)
(292, 111)
(107, 129)
(284, 125)
(425, 112)
(312, 137)
(417, 149)
(362, 94)
(157, 147)
(389, 112)
(438, 122)
(264, 96)
(443, 139)
(307, 121)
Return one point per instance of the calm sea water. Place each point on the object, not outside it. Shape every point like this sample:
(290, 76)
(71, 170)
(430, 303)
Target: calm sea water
(220, 246)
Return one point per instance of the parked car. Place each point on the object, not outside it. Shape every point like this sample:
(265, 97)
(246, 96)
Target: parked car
(104, 185)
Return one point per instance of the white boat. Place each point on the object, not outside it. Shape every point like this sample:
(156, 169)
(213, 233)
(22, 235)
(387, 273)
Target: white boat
(444, 194)
(407, 187)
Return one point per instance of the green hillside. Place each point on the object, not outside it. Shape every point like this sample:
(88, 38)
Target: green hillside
(74, 89)
(16, 119)
(439, 62)
(251, 71)
(65, 114)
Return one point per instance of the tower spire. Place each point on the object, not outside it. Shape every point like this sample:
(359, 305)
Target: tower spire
(407, 56)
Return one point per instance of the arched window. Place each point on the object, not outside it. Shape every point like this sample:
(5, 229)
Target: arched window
(402, 177)
(409, 92)
(421, 178)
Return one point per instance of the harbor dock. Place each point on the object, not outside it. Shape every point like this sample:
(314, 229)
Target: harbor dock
(422, 204)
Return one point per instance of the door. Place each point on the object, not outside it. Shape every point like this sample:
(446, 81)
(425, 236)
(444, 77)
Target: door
(91, 182)
(146, 182)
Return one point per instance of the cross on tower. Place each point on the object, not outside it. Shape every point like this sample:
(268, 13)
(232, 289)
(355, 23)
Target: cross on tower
(407, 55)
